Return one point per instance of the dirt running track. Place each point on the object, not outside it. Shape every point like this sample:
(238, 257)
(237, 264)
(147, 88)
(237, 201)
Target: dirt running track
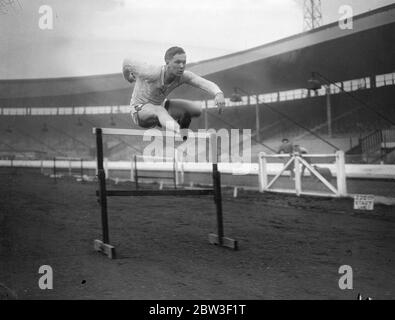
(290, 248)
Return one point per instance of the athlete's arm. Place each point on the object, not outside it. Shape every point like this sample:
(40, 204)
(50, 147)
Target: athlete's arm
(132, 69)
(206, 85)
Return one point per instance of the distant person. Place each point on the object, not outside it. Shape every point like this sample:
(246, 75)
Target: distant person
(153, 83)
(325, 172)
(287, 148)
(302, 151)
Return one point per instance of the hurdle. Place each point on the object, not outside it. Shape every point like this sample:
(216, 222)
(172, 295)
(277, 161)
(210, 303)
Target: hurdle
(69, 160)
(104, 246)
(136, 176)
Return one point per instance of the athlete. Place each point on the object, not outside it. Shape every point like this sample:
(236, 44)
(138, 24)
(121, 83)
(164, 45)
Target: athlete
(149, 105)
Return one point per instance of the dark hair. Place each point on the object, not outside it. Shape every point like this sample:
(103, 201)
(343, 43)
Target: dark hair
(171, 52)
(285, 140)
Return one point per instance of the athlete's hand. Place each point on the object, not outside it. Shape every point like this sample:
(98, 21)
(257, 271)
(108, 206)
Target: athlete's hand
(220, 101)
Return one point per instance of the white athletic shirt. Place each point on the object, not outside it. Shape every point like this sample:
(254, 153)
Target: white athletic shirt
(150, 87)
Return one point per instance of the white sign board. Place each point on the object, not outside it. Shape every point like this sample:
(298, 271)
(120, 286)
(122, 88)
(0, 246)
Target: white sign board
(363, 202)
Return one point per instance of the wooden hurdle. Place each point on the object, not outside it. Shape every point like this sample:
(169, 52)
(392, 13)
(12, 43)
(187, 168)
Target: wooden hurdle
(69, 159)
(136, 176)
(103, 245)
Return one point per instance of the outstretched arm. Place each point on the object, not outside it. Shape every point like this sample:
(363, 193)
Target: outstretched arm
(206, 85)
(132, 69)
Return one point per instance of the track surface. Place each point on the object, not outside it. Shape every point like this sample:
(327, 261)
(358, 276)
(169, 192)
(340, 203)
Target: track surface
(290, 248)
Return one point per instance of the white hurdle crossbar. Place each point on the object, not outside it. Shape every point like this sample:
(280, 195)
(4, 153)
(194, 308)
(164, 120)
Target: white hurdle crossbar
(152, 133)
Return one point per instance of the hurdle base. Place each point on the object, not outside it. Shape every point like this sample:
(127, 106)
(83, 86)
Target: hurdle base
(226, 242)
(104, 248)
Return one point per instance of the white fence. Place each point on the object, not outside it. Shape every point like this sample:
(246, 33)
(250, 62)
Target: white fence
(295, 164)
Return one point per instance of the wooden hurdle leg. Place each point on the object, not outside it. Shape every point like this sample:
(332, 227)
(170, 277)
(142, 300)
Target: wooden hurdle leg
(102, 246)
(82, 170)
(218, 239)
(54, 169)
(136, 177)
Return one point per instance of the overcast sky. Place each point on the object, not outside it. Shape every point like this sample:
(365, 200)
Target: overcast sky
(93, 36)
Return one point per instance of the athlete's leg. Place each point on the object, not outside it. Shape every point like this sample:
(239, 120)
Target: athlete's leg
(151, 115)
(184, 110)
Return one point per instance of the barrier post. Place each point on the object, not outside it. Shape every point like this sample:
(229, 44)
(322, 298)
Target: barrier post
(219, 238)
(131, 169)
(102, 245)
(136, 177)
(82, 170)
(181, 167)
(217, 186)
(54, 169)
(262, 172)
(341, 174)
(174, 171)
(106, 171)
(298, 182)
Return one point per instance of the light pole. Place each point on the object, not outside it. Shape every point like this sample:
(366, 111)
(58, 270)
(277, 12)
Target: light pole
(328, 110)
(205, 115)
(315, 84)
(236, 97)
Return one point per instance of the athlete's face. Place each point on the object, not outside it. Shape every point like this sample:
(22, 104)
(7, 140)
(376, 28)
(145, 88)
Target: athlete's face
(176, 65)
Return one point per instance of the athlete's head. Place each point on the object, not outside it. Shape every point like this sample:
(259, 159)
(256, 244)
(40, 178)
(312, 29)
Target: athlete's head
(176, 60)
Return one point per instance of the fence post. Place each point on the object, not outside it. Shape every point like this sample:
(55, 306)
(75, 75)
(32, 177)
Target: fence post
(262, 172)
(131, 169)
(136, 177)
(106, 171)
(341, 174)
(181, 160)
(298, 183)
(54, 169)
(82, 170)
(176, 181)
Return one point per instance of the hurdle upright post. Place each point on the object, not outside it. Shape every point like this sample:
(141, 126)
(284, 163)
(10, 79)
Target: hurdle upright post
(218, 239)
(176, 178)
(54, 168)
(69, 167)
(217, 186)
(136, 177)
(102, 246)
(82, 170)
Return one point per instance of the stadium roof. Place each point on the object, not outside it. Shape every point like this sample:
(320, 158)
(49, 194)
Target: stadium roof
(367, 49)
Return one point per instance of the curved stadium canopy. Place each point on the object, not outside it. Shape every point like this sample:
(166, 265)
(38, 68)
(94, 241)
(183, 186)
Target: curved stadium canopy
(367, 49)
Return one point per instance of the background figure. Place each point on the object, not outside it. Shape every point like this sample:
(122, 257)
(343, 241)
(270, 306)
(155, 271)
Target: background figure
(302, 151)
(287, 148)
